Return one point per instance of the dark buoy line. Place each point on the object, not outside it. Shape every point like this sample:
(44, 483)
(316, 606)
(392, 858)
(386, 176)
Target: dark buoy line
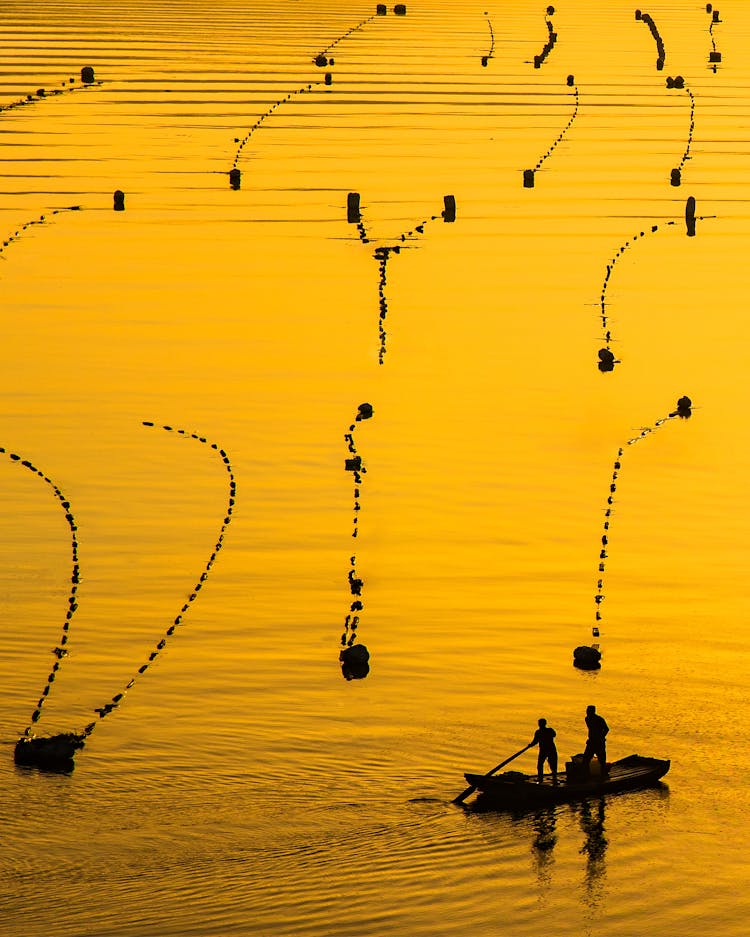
(530, 174)
(661, 55)
(607, 359)
(355, 657)
(66, 86)
(323, 58)
(42, 219)
(235, 173)
(383, 253)
(679, 83)
(491, 53)
(588, 657)
(31, 749)
(714, 56)
(551, 40)
(56, 752)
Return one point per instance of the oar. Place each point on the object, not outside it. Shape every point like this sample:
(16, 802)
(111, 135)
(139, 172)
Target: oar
(472, 787)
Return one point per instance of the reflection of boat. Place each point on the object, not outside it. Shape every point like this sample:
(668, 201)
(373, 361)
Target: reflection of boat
(514, 789)
(50, 753)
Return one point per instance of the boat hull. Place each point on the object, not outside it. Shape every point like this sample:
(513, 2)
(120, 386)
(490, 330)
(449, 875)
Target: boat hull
(517, 790)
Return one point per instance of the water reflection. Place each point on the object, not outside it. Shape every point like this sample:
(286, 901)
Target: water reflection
(592, 816)
(544, 825)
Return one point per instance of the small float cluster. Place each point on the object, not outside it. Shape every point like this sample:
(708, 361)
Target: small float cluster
(67, 85)
(42, 219)
(529, 174)
(355, 657)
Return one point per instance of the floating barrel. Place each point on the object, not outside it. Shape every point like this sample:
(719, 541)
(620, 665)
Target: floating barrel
(484, 60)
(329, 78)
(400, 9)
(40, 92)
(684, 407)
(321, 61)
(679, 81)
(381, 9)
(709, 7)
(235, 178)
(118, 200)
(353, 215)
(87, 75)
(550, 11)
(690, 216)
(714, 56)
(571, 80)
(715, 17)
(449, 211)
(528, 178)
(676, 177)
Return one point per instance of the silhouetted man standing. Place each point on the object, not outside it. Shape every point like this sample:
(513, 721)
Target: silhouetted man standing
(544, 737)
(596, 744)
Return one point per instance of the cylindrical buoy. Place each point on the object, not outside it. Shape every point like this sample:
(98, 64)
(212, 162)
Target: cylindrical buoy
(118, 200)
(676, 177)
(400, 9)
(571, 80)
(638, 15)
(528, 178)
(714, 57)
(235, 178)
(87, 75)
(353, 215)
(329, 78)
(709, 7)
(40, 92)
(449, 210)
(715, 17)
(484, 60)
(537, 61)
(690, 216)
(381, 9)
(321, 61)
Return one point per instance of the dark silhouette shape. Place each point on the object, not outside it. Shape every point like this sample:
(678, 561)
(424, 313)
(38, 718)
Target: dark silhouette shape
(648, 20)
(528, 174)
(675, 178)
(587, 657)
(544, 737)
(596, 743)
(570, 80)
(449, 209)
(381, 9)
(87, 75)
(684, 408)
(607, 360)
(690, 216)
(714, 57)
(549, 44)
(52, 753)
(353, 215)
(235, 178)
(355, 662)
(119, 200)
(321, 60)
(400, 9)
(329, 78)
(491, 53)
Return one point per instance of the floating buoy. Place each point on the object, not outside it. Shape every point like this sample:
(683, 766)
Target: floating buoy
(321, 61)
(714, 57)
(571, 80)
(528, 178)
(587, 658)
(381, 9)
(40, 92)
(400, 9)
(353, 215)
(676, 177)
(119, 200)
(690, 216)
(87, 75)
(329, 78)
(484, 60)
(235, 178)
(638, 15)
(449, 210)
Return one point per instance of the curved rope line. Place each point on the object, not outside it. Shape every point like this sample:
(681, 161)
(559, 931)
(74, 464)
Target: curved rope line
(683, 411)
(60, 650)
(42, 219)
(107, 708)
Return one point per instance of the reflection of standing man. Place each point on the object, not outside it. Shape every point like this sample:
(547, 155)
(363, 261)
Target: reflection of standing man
(544, 737)
(596, 744)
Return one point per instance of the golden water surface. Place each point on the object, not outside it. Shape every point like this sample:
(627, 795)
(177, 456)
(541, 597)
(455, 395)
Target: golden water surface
(243, 786)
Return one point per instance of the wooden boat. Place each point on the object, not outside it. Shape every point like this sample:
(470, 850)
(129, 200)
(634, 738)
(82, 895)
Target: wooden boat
(514, 789)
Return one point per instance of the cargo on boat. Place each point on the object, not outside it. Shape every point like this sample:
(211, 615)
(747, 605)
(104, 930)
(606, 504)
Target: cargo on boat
(514, 789)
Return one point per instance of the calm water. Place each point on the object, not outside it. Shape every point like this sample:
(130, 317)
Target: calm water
(243, 786)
